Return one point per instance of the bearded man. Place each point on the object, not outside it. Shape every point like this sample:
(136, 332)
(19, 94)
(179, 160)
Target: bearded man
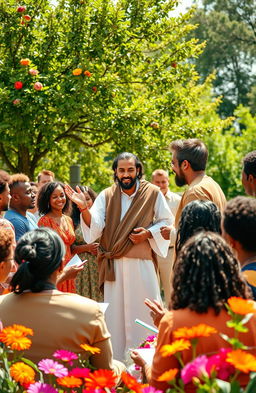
(127, 218)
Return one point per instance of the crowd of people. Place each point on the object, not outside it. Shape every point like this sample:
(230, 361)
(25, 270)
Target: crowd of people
(148, 252)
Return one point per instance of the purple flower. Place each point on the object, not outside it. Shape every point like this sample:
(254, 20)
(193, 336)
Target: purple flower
(49, 366)
(218, 364)
(196, 368)
(65, 356)
(39, 387)
(151, 389)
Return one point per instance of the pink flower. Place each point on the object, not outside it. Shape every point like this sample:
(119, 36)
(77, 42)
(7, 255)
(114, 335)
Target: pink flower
(218, 364)
(17, 101)
(49, 366)
(196, 368)
(65, 356)
(152, 338)
(39, 387)
(38, 86)
(32, 71)
(151, 389)
(79, 372)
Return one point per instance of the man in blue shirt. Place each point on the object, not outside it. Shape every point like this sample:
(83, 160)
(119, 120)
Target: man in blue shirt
(23, 198)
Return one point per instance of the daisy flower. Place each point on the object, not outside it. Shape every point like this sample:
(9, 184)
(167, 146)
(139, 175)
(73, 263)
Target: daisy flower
(49, 366)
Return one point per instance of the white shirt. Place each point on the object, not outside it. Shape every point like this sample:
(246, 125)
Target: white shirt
(162, 217)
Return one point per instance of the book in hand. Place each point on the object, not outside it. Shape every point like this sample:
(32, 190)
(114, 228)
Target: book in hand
(75, 261)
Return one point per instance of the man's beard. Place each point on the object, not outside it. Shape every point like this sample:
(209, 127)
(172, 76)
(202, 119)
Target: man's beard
(127, 186)
(180, 180)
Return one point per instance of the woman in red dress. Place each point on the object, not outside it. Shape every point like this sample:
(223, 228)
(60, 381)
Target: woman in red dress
(52, 204)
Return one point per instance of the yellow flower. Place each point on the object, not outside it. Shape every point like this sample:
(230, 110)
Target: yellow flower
(88, 348)
(22, 373)
(201, 330)
(77, 71)
(15, 337)
(241, 306)
(168, 375)
(242, 360)
(176, 346)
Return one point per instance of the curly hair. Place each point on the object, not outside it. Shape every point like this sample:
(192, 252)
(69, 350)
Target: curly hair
(39, 253)
(127, 156)
(193, 150)
(249, 163)
(239, 221)
(6, 241)
(206, 274)
(44, 195)
(196, 216)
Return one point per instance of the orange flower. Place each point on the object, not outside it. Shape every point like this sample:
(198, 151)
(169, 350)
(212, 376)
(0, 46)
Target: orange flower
(100, 379)
(22, 373)
(15, 337)
(88, 348)
(77, 71)
(242, 360)
(70, 381)
(25, 62)
(131, 382)
(241, 306)
(201, 330)
(168, 375)
(176, 346)
(87, 73)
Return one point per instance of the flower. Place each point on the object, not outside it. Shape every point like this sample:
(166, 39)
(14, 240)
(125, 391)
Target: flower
(32, 71)
(65, 356)
(176, 346)
(219, 364)
(196, 368)
(70, 382)
(168, 375)
(15, 336)
(27, 18)
(131, 382)
(22, 373)
(241, 306)
(79, 372)
(18, 85)
(201, 330)
(87, 73)
(39, 387)
(77, 71)
(49, 366)
(154, 124)
(88, 348)
(94, 88)
(21, 8)
(242, 360)
(25, 62)
(100, 379)
(17, 101)
(150, 389)
(38, 86)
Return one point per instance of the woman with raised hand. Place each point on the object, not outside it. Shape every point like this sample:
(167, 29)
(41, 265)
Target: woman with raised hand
(59, 320)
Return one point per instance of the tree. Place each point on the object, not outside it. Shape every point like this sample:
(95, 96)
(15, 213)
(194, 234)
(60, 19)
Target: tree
(229, 29)
(95, 73)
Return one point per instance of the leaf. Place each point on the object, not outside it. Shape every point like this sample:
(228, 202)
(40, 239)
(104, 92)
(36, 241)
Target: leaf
(223, 385)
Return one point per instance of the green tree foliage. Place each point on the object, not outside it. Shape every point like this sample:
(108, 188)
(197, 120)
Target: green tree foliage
(106, 73)
(229, 28)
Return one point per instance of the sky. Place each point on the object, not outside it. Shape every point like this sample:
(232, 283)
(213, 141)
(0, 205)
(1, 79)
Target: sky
(183, 5)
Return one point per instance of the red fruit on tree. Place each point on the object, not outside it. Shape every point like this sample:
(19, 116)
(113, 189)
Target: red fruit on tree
(174, 65)
(38, 86)
(18, 85)
(27, 18)
(94, 88)
(21, 8)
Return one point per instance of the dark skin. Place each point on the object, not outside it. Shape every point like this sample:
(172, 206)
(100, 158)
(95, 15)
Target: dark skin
(23, 198)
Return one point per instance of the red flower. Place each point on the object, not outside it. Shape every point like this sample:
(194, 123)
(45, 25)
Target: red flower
(21, 8)
(87, 73)
(27, 18)
(131, 382)
(18, 85)
(100, 379)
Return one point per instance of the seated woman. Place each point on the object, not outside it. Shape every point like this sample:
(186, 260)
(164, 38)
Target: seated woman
(59, 320)
(206, 274)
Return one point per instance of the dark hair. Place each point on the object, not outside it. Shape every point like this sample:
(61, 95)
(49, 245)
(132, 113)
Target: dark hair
(249, 163)
(43, 199)
(206, 274)
(39, 253)
(75, 211)
(4, 179)
(18, 179)
(127, 156)
(239, 221)
(197, 216)
(6, 241)
(192, 150)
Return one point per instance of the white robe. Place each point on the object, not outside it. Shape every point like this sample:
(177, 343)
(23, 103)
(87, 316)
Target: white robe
(136, 279)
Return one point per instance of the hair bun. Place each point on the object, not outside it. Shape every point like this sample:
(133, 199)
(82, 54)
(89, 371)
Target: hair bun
(28, 252)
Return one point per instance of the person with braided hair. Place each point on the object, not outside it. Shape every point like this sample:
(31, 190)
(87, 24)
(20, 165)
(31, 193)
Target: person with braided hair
(206, 275)
(60, 320)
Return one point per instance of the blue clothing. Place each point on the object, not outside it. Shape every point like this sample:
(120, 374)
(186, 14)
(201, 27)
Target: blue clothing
(249, 272)
(21, 223)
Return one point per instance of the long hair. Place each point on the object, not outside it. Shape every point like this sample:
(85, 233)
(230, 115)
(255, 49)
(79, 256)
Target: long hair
(39, 253)
(44, 195)
(206, 274)
(127, 156)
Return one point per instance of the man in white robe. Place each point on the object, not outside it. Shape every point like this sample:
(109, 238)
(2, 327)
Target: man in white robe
(135, 278)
